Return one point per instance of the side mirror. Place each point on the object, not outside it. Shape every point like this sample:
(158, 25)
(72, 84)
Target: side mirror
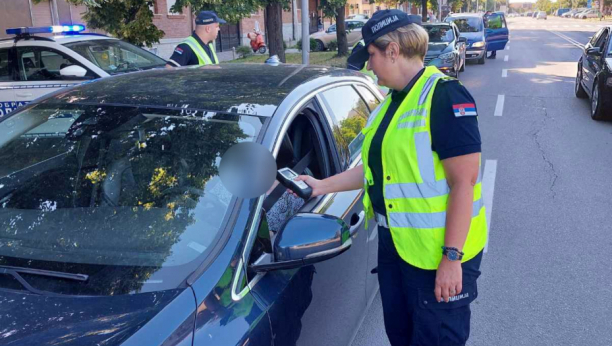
(73, 72)
(307, 239)
(593, 51)
(462, 39)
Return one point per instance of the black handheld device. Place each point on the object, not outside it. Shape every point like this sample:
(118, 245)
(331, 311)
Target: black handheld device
(286, 177)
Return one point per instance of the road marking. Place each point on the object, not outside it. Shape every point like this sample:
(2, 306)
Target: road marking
(569, 39)
(506, 58)
(504, 73)
(507, 47)
(488, 189)
(499, 107)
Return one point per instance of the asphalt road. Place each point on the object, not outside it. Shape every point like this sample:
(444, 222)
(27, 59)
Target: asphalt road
(547, 278)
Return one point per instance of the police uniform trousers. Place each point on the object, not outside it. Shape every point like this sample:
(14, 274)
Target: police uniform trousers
(411, 314)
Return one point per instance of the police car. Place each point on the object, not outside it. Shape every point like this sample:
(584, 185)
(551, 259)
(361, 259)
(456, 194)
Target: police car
(32, 66)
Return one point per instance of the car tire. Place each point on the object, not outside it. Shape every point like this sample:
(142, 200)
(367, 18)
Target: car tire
(482, 60)
(597, 109)
(578, 89)
(320, 46)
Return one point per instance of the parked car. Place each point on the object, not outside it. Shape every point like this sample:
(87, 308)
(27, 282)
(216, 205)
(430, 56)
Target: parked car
(535, 14)
(496, 32)
(579, 13)
(32, 66)
(528, 14)
(569, 14)
(117, 229)
(471, 26)
(541, 15)
(446, 48)
(358, 17)
(561, 11)
(593, 79)
(353, 34)
(589, 14)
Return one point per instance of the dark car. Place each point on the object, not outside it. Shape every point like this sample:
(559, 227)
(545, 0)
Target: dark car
(446, 48)
(594, 76)
(471, 26)
(115, 228)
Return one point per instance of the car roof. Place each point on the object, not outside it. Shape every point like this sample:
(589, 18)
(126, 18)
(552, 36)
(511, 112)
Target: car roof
(60, 39)
(459, 15)
(251, 89)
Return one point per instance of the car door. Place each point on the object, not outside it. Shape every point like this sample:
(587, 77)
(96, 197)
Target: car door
(38, 72)
(320, 304)
(592, 63)
(496, 32)
(7, 94)
(460, 46)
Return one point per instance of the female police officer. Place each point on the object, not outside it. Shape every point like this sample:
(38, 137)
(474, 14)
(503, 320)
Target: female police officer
(421, 165)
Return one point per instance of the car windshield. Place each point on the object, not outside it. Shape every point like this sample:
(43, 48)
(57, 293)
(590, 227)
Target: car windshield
(86, 188)
(116, 56)
(332, 28)
(439, 33)
(469, 24)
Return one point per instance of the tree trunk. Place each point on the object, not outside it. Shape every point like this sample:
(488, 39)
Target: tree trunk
(274, 30)
(424, 10)
(341, 32)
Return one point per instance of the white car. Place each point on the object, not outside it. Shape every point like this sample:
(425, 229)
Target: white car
(32, 66)
(589, 14)
(541, 15)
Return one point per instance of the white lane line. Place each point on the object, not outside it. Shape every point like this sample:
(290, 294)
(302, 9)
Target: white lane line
(507, 47)
(506, 58)
(488, 189)
(569, 39)
(499, 106)
(504, 73)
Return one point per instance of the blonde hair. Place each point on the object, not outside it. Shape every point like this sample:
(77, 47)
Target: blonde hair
(412, 40)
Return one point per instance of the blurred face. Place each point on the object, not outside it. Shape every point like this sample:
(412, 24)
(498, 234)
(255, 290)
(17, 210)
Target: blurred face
(380, 62)
(215, 28)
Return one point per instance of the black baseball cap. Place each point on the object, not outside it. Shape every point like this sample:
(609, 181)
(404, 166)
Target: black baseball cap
(208, 17)
(381, 23)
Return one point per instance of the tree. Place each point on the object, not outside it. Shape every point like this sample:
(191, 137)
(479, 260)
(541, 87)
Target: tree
(543, 5)
(129, 20)
(336, 9)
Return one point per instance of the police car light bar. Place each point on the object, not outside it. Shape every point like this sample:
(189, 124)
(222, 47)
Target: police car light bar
(46, 29)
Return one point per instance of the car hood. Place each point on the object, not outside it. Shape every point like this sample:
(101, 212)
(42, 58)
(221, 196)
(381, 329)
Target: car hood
(438, 48)
(27, 319)
(473, 36)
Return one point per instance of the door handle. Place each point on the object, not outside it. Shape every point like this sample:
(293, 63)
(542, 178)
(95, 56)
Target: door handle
(23, 94)
(355, 225)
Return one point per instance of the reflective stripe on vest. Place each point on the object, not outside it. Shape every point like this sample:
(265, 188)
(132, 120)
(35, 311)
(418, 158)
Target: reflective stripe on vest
(203, 58)
(415, 188)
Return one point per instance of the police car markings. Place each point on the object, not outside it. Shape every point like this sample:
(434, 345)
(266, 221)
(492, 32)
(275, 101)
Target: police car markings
(504, 73)
(499, 106)
(8, 106)
(488, 189)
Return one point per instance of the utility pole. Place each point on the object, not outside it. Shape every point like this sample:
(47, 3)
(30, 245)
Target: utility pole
(305, 33)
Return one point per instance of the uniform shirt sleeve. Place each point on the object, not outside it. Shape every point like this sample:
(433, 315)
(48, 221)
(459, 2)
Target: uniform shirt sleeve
(182, 55)
(454, 121)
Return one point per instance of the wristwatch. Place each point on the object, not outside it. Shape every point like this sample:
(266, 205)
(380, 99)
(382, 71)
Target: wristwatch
(452, 253)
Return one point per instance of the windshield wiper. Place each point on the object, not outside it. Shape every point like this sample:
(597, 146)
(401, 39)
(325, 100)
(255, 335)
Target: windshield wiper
(42, 272)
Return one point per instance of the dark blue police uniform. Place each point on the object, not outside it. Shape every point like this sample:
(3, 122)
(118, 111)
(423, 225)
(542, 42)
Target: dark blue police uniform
(411, 314)
(183, 55)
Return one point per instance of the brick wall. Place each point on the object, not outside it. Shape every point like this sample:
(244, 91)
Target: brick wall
(41, 14)
(248, 25)
(174, 25)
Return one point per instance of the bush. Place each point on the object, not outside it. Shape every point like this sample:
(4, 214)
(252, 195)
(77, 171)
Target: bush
(333, 45)
(244, 51)
(284, 45)
(313, 45)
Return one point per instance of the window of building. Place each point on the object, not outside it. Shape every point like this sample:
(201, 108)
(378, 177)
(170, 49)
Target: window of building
(169, 4)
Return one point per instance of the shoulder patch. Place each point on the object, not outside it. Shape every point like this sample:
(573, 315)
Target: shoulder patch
(178, 50)
(464, 110)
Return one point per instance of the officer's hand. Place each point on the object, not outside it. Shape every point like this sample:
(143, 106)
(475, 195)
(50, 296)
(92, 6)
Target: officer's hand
(316, 185)
(449, 280)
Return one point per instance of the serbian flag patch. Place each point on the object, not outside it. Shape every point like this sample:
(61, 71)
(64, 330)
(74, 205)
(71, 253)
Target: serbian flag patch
(464, 110)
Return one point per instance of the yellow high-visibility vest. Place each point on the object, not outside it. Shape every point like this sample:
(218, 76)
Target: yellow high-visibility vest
(415, 189)
(203, 58)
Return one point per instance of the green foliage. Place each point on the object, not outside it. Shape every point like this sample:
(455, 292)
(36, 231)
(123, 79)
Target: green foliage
(332, 45)
(313, 44)
(129, 20)
(543, 5)
(244, 51)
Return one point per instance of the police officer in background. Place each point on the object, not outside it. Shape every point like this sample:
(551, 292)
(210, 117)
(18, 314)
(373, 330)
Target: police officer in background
(199, 48)
(421, 185)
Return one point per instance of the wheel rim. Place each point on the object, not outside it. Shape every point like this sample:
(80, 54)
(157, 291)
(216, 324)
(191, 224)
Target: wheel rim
(595, 99)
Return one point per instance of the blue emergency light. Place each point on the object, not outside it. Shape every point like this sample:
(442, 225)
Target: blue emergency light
(46, 29)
